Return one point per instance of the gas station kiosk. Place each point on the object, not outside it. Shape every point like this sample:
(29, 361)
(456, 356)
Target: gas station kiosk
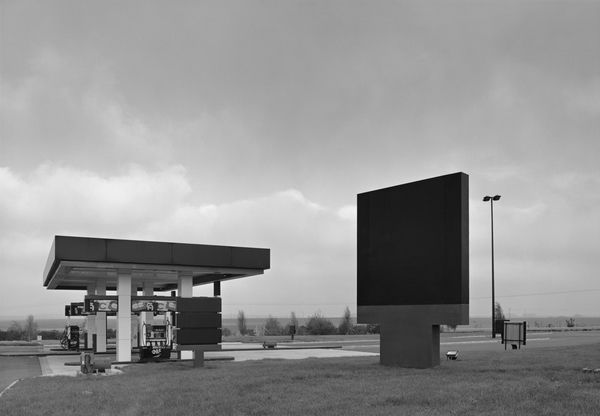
(155, 324)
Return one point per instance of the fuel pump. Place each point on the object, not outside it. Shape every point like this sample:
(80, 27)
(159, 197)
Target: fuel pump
(157, 341)
(70, 338)
(155, 338)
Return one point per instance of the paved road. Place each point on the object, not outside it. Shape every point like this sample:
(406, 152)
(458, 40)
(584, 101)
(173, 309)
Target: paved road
(14, 368)
(480, 342)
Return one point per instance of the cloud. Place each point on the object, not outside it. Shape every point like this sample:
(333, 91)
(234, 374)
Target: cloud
(57, 197)
(312, 251)
(70, 110)
(584, 99)
(348, 212)
(255, 125)
(312, 245)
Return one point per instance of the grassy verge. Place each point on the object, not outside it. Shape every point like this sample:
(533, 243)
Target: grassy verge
(533, 382)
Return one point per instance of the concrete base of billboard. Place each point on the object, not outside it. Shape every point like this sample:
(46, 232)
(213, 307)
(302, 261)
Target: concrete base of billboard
(410, 334)
(412, 346)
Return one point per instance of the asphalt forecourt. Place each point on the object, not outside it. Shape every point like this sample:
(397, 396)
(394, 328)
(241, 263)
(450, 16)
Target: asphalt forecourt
(15, 368)
(548, 381)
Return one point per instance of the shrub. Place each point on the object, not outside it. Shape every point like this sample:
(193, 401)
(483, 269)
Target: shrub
(359, 329)
(241, 323)
(273, 327)
(51, 334)
(345, 327)
(373, 329)
(318, 325)
(15, 332)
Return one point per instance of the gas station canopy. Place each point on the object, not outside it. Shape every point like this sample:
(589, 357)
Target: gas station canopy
(76, 262)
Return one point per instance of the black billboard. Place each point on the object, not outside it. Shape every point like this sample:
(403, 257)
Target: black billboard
(413, 243)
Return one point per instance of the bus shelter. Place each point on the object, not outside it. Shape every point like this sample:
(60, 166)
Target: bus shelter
(128, 267)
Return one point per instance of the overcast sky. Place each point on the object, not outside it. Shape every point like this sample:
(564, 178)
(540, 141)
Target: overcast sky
(256, 123)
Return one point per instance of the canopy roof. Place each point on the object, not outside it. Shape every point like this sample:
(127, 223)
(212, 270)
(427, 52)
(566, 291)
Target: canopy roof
(76, 262)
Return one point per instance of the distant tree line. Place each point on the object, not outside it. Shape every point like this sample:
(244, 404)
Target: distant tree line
(316, 324)
(28, 331)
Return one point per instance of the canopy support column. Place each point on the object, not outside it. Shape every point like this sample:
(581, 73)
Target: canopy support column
(124, 315)
(90, 320)
(145, 317)
(185, 289)
(101, 319)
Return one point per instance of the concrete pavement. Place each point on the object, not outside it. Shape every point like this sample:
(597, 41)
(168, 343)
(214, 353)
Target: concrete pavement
(287, 351)
(54, 365)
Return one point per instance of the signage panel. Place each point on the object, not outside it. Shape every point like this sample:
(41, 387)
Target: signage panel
(515, 332)
(199, 320)
(76, 309)
(198, 336)
(110, 304)
(199, 304)
(153, 305)
(95, 304)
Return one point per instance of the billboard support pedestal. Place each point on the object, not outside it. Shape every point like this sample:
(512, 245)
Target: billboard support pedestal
(416, 346)
(198, 358)
(410, 334)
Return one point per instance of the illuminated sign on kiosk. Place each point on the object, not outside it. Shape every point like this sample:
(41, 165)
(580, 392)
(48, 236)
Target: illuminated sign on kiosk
(152, 305)
(94, 304)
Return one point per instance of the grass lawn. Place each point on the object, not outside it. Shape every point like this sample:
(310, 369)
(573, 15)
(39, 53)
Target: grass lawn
(524, 382)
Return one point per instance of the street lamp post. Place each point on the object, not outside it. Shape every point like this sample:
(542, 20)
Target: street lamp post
(492, 199)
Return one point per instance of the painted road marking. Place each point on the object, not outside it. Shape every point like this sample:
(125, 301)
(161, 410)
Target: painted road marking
(487, 341)
(9, 386)
(490, 341)
(469, 336)
(298, 343)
